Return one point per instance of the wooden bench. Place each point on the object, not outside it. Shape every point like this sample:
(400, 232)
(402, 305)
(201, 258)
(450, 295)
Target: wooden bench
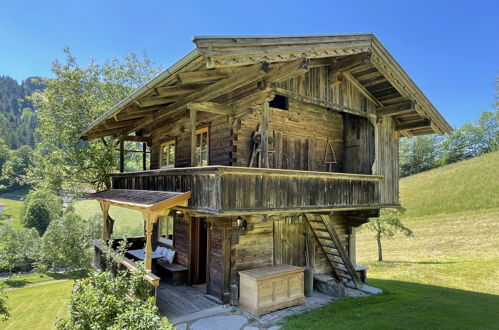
(179, 272)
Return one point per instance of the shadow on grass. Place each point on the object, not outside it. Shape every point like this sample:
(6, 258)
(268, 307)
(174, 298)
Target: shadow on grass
(405, 305)
(388, 262)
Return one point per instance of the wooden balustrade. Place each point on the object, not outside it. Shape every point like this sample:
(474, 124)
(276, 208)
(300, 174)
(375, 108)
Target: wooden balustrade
(228, 190)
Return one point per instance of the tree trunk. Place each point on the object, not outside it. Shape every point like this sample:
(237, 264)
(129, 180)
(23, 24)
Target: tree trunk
(380, 249)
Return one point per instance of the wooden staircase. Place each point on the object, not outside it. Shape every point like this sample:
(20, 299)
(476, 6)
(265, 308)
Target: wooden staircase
(340, 262)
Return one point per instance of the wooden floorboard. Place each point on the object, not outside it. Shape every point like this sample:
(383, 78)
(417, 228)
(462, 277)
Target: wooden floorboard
(175, 301)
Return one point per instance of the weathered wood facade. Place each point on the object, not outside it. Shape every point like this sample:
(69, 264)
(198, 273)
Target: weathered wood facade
(286, 144)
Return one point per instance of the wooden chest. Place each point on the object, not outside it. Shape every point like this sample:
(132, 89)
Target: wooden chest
(264, 290)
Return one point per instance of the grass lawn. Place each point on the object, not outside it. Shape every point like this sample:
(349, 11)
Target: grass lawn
(13, 210)
(128, 223)
(406, 305)
(38, 306)
(24, 280)
(465, 186)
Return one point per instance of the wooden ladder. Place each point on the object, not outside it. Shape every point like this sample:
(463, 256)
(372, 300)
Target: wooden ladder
(340, 262)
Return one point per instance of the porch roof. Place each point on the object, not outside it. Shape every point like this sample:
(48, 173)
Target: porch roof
(142, 200)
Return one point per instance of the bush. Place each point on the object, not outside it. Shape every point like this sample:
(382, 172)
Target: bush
(4, 311)
(18, 248)
(66, 242)
(40, 207)
(104, 301)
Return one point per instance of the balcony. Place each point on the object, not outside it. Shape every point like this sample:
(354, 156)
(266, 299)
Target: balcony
(228, 190)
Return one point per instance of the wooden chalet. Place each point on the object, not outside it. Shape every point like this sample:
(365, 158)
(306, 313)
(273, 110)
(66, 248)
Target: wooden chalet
(264, 151)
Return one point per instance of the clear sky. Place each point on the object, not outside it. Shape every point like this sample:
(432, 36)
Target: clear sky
(449, 48)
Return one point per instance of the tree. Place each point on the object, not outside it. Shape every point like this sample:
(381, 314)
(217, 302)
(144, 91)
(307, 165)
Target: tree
(386, 226)
(18, 248)
(418, 154)
(66, 242)
(4, 310)
(40, 208)
(69, 104)
(105, 301)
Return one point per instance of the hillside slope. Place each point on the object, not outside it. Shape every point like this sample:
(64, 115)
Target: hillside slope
(464, 186)
(454, 214)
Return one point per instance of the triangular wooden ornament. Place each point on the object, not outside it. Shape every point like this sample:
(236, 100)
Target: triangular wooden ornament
(329, 155)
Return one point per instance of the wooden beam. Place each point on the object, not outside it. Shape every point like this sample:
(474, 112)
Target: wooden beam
(192, 127)
(361, 89)
(199, 77)
(105, 213)
(136, 138)
(148, 218)
(397, 109)
(333, 106)
(413, 125)
(151, 101)
(209, 107)
(264, 129)
(288, 70)
(243, 77)
(144, 156)
(122, 156)
(349, 63)
(174, 90)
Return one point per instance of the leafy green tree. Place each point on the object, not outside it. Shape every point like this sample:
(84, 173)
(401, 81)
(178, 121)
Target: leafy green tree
(40, 208)
(418, 154)
(386, 226)
(69, 104)
(15, 167)
(66, 242)
(105, 301)
(4, 310)
(18, 248)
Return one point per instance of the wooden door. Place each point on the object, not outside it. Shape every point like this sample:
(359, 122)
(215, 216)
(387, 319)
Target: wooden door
(359, 145)
(292, 152)
(199, 243)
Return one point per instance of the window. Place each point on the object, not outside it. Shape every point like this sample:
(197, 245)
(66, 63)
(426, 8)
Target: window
(165, 230)
(202, 146)
(279, 102)
(167, 154)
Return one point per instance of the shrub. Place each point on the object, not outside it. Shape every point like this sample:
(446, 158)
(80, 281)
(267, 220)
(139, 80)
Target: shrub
(104, 301)
(66, 243)
(18, 248)
(40, 207)
(4, 310)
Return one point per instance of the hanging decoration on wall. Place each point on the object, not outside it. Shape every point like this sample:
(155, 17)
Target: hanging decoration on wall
(329, 155)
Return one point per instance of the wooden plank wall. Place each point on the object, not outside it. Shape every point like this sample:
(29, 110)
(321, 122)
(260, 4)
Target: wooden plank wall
(359, 144)
(181, 239)
(386, 162)
(177, 128)
(316, 83)
(281, 240)
(298, 133)
(216, 263)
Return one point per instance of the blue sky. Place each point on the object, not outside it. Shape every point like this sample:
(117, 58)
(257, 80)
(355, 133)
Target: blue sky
(449, 48)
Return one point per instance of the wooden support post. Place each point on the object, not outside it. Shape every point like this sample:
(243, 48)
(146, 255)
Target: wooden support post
(148, 218)
(192, 127)
(264, 128)
(122, 155)
(144, 156)
(105, 213)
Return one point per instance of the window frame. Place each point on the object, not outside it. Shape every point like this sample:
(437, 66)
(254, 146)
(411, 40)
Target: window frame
(200, 131)
(161, 239)
(162, 145)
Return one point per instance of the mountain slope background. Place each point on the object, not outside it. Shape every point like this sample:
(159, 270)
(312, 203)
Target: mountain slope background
(17, 116)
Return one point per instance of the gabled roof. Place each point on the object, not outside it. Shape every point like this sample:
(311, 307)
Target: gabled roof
(215, 59)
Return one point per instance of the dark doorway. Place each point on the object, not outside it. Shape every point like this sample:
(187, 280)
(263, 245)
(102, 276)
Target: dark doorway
(199, 246)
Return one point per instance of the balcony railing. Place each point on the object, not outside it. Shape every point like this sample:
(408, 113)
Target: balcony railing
(227, 190)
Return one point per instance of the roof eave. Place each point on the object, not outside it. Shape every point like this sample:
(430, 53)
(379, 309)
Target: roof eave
(139, 92)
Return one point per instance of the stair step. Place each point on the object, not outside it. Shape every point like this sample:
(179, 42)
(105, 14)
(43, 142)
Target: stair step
(331, 246)
(336, 261)
(348, 277)
(334, 254)
(343, 269)
(328, 238)
(319, 221)
(321, 230)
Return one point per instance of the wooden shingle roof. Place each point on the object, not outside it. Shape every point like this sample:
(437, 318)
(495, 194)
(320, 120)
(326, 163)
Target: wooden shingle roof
(142, 199)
